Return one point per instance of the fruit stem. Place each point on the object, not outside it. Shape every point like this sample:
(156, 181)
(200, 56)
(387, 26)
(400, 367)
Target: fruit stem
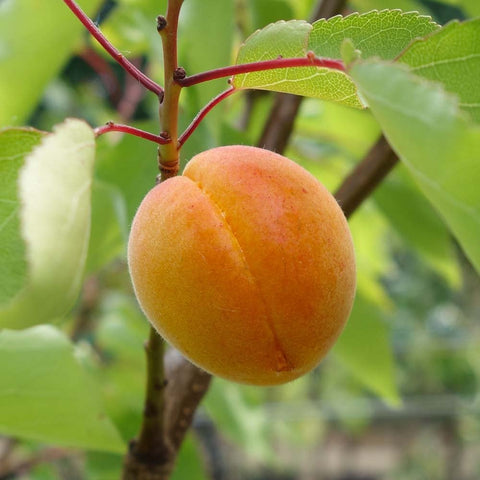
(168, 154)
(310, 60)
(112, 51)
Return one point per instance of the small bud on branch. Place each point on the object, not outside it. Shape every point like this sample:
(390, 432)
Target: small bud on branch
(161, 23)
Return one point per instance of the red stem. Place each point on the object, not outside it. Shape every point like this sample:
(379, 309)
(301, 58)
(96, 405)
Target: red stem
(112, 51)
(308, 61)
(201, 115)
(117, 127)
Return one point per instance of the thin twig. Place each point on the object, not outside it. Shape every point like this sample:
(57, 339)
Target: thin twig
(308, 61)
(118, 127)
(112, 51)
(202, 113)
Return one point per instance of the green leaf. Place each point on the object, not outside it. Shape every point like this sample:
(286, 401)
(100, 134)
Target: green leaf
(289, 39)
(406, 208)
(452, 57)
(383, 34)
(109, 230)
(46, 395)
(32, 51)
(434, 140)
(54, 191)
(15, 144)
(364, 347)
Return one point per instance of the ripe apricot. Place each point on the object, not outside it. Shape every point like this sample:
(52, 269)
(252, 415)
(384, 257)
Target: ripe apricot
(244, 263)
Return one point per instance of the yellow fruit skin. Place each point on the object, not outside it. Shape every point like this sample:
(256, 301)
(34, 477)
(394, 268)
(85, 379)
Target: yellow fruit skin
(245, 263)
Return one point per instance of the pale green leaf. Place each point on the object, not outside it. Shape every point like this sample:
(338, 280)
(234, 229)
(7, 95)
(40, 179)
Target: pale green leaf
(381, 34)
(384, 34)
(289, 40)
(15, 144)
(54, 191)
(46, 395)
(440, 148)
(36, 39)
(452, 57)
(364, 347)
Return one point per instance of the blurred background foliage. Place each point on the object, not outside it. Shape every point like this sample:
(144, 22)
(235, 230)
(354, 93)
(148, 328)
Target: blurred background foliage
(398, 397)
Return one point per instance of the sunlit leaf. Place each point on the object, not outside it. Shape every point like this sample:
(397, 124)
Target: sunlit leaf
(381, 34)
(54, 192)
(46, 395)
(384, 34)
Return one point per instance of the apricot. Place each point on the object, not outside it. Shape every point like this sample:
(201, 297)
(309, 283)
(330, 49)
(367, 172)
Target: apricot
(245, 264)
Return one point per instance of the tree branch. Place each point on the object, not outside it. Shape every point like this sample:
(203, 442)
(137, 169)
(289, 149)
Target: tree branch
(366, 176)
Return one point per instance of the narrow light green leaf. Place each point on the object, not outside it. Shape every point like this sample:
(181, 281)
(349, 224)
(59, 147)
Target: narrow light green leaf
(381, 34)
(437, 144)
(15, 144)
(32, 51)
(384, 34)
(364, 347)
(54, 191)
(451, 56)
(46, 395)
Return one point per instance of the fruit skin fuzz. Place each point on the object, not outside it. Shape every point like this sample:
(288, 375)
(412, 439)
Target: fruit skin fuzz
(245, 264)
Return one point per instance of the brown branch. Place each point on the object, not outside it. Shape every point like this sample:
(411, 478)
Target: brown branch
(187, 385)
(151, 457)
(366, 176)
(279, 126)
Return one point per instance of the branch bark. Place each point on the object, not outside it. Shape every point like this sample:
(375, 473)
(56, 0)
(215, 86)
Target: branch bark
(366, 176)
